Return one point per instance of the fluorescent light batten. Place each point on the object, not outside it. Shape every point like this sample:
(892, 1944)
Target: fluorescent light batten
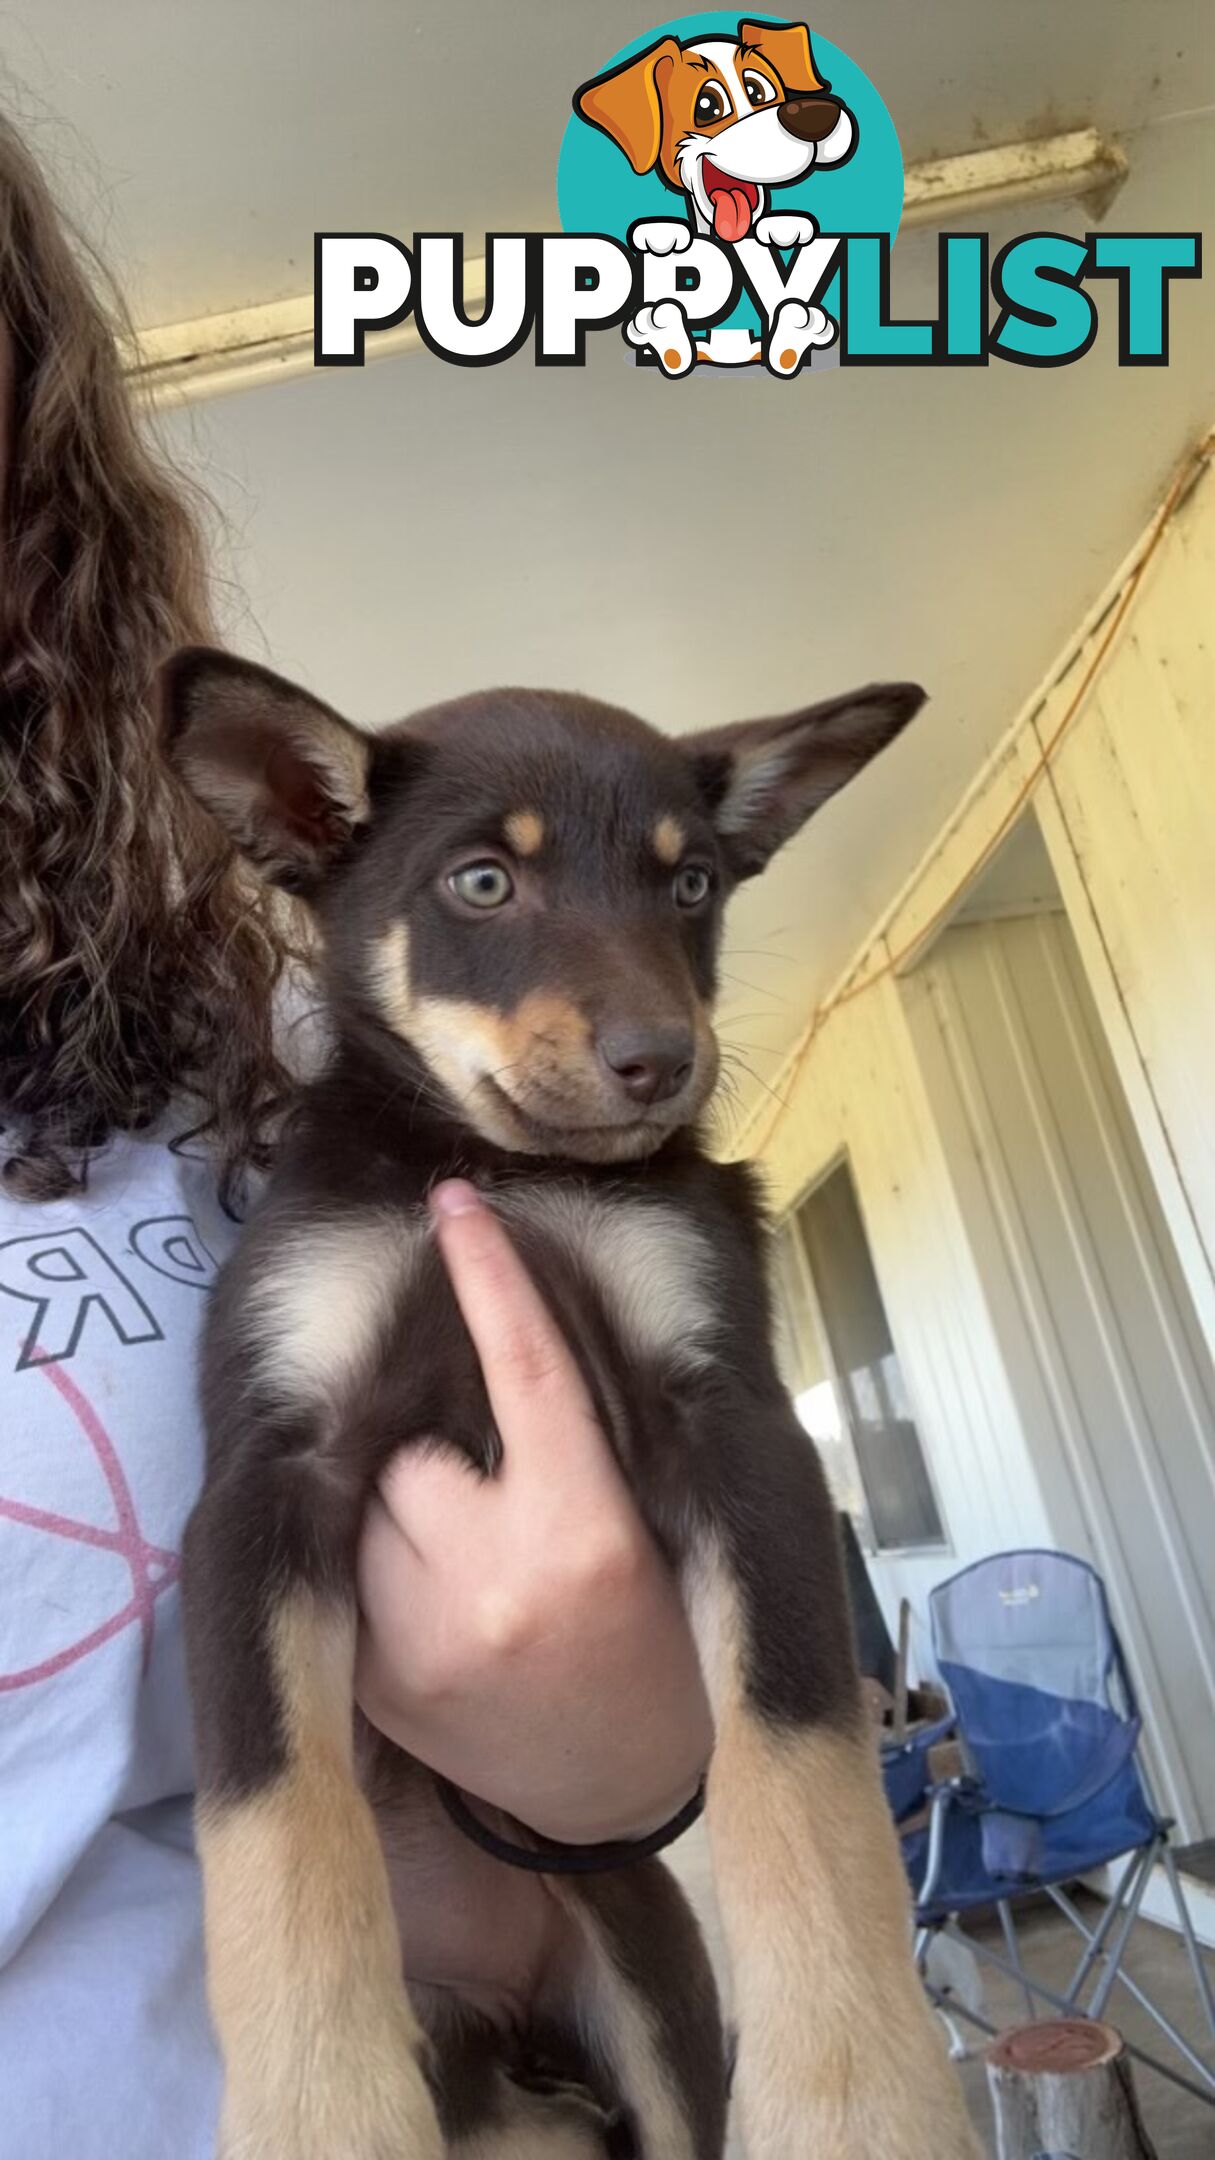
(1084, 166)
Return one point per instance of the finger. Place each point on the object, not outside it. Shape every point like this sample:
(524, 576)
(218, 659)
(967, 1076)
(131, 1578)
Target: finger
(535, 1388)
(428, 1489)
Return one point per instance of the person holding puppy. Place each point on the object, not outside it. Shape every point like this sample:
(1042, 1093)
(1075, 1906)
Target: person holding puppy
(146, 1052)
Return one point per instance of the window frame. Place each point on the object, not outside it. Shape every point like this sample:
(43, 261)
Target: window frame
(789, 1226)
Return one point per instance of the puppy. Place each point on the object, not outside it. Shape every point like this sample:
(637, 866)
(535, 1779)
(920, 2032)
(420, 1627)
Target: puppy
(519, 899)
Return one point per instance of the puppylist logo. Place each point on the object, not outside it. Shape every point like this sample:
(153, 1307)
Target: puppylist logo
(730, 191)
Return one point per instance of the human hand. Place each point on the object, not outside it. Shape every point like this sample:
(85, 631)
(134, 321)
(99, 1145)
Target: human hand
(522, 1633)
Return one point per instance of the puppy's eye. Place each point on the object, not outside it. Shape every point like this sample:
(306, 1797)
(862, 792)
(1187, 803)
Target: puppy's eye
(692, 886)
(482, 884)
(758, 88)
(710, 106)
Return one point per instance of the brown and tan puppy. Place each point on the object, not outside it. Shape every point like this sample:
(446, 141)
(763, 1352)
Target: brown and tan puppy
(519, 897)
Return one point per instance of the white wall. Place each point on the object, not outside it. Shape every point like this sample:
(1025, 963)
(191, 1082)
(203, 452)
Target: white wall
(1126, 813)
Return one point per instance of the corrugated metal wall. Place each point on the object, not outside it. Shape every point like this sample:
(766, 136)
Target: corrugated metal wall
(1096, 1324)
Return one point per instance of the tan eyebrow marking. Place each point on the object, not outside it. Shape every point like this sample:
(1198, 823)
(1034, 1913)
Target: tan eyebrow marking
(669, 839)
(524, 830)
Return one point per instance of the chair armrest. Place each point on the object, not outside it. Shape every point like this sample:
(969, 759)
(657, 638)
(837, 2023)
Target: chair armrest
(942, 1801)
(932, 1735)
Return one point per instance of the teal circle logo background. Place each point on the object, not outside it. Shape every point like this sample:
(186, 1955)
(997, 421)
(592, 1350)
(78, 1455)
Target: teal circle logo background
(598, 191)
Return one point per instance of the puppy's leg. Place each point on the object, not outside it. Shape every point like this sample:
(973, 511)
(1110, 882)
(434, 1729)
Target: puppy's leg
(321, 2049)
(840, 2056)
(638, 1980)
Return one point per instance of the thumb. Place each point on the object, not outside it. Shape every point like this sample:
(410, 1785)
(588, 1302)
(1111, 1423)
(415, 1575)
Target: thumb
(539, 1399)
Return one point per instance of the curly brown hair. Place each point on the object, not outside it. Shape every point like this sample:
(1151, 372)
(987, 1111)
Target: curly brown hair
(138, 962)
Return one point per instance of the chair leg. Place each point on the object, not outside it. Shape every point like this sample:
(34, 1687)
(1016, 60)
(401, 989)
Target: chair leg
(1014, 1951)
(1202, 1979)
(1094, 1937)
(958, 2050)
(1122, 1935)
(1204, 2092)
(1131, 1986)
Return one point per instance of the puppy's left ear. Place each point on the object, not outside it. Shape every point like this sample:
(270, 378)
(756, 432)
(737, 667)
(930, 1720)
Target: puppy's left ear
(283, 773)
(762, 779)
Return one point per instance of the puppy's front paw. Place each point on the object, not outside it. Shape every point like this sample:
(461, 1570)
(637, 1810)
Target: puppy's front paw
(785, 229)
(664, 328)
(660, 236)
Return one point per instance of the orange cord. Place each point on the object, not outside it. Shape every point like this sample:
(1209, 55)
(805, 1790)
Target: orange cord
(854, 988)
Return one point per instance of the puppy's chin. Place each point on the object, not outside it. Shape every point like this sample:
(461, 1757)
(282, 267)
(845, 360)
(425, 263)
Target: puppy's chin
(495, 1117)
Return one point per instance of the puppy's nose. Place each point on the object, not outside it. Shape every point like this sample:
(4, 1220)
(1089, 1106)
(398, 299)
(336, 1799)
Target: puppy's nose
(650, 1063)
(809, 118)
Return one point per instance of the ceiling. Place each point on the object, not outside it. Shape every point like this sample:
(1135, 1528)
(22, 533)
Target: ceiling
(213, 141)
(400, 533)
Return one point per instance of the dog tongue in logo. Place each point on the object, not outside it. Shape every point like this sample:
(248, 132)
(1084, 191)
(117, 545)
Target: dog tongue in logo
(734, 202)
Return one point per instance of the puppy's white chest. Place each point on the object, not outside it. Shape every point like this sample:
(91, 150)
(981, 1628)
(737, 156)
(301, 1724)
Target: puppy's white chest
(652, 1268)
(334, 1294)
(318, 1313)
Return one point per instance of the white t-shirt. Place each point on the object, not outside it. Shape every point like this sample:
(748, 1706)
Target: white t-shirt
(105, 2048)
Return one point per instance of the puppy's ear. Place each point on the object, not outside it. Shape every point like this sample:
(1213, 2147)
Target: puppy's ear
(627, 103)
(283, 774)
(763, 778)
(786, 47)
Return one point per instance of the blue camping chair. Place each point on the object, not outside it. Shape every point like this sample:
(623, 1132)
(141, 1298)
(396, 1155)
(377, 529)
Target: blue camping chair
(1047, 1719)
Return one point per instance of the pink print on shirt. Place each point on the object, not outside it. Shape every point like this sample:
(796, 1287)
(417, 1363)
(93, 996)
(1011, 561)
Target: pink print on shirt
(152, 1568)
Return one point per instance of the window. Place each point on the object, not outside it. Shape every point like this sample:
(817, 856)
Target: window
(847, 1380)
(806, 1371)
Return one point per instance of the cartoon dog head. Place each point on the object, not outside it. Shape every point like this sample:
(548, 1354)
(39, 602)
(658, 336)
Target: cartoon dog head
(519, 893)
(723, 120)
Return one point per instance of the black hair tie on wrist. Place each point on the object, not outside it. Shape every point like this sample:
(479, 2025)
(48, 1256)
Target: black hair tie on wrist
(548, 1857)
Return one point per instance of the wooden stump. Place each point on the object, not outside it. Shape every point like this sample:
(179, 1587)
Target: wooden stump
(1063, 2087)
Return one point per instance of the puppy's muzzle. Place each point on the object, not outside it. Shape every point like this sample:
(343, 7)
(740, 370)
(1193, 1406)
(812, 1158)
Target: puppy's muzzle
(810, 119)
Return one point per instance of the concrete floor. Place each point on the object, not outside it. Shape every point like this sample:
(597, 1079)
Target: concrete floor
(1182, 2128)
